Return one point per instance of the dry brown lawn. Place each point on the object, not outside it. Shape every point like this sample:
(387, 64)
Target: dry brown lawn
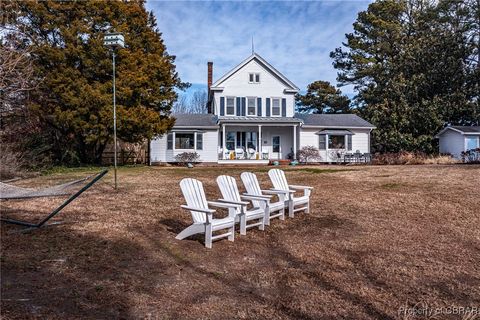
(378, 239)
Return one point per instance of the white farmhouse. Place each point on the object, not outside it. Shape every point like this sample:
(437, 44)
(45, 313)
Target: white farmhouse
(251, 119)
(456, 139)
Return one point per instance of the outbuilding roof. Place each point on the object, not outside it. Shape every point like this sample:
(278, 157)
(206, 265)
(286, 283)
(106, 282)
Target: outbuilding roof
(475, 130)
(334, 121)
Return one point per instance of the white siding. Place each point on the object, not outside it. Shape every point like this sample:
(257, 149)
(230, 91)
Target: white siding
(159, 152)
(360, 141)
(452, 142)
(270, 86)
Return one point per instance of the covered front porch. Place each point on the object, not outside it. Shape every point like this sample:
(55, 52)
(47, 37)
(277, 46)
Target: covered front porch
(246, 142)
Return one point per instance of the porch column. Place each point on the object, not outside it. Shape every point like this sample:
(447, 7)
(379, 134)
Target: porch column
(223, 142)
(173, 142)
(327, 156)
(294, 142)
(260, 141)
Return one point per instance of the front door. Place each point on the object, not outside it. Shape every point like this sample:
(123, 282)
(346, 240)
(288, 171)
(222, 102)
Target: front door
(276, 148)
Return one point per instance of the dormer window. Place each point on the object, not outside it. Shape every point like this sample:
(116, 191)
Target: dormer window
(254, 77)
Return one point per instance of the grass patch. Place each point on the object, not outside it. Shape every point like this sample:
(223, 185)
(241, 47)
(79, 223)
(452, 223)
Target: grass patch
(309, 170)
(366, 245)
(391, 185)
(67, 170)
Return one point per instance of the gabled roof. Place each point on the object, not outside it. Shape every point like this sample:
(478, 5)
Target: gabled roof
(188, 120)
(475, 130)
(333, 121)
(266, 65)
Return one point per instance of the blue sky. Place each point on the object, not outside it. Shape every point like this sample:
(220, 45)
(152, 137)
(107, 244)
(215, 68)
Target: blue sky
(295, 37)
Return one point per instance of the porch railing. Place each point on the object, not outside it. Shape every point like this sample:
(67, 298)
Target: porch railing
(241, 154)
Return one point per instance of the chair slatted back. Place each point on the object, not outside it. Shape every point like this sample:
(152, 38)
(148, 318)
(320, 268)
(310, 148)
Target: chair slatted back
(252, 186)
(228, 188)
(194, 195)
(278, 178)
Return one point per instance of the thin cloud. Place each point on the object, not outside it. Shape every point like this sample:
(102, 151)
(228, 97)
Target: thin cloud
(295, 37)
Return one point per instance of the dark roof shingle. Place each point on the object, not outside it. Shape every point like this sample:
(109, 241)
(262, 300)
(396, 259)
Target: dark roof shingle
(467, 129)
(195, 120)
(334, 120)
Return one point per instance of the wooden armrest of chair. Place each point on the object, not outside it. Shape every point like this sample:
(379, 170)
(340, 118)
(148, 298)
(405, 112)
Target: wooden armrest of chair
(299, 187)
(283, 191)
(222, 204)
(208, 212)
(197, 209)
(255, 197)
(274, 192)
(237, 203)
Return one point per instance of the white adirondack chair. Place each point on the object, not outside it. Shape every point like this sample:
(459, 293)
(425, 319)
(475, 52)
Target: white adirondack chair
(275, 209)
(203, 221)
(295, 204)
(228, 188)
(239, 153)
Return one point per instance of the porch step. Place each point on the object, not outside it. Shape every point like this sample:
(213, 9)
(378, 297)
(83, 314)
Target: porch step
(243, 161)
(282, 162)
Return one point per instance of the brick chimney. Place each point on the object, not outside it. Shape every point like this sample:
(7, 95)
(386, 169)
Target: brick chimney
(209, 84)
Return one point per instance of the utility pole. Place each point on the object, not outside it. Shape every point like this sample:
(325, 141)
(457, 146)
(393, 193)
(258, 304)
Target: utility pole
(113, 41)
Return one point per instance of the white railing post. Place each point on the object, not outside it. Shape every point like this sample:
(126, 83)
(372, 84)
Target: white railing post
(224, 151)
(260, 154)
(294, 142)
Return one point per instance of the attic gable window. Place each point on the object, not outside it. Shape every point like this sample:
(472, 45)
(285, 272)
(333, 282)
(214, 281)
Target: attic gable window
(254, 77)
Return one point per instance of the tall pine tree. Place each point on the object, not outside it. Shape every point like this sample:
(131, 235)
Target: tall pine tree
(322, 97)
(74, 98)
(414, 66)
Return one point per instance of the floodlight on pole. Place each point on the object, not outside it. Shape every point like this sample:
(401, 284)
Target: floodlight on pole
(114, 41)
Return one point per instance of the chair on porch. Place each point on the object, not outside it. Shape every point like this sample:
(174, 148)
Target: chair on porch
(251, 153)
(202, 215)
(252, 186)
(348, 157)
(228, 188)
(239, 153)
(294, 203)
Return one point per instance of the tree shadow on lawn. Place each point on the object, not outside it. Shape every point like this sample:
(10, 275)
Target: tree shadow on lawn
(57, 272)
(274, 256)
(361, 288)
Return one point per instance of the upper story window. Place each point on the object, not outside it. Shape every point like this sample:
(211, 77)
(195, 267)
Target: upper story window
(254, 77)
(251, 106)
(275, 106)
(230, 106)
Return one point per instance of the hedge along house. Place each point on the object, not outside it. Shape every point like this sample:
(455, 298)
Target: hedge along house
(456, 139)
(251, 119)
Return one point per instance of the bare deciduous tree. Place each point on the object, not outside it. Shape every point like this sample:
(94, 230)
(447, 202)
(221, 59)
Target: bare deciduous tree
(196, 104)
(16, 76)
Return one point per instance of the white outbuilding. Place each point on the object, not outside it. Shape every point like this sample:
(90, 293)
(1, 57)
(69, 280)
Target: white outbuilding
(456, 139)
